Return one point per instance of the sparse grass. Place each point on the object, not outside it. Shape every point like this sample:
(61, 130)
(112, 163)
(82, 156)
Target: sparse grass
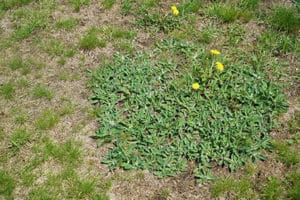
(151, 3)
(277, 43)
(126, 6)
(119, 33)
(7, 184)
(293, 184)
(33, 22)
(248, 4)
(235, 34)
(1, 133)
(19, 138)
(207, 35)
(225, 12)
(236, 188)
(64, 76)
(272, 190)
(47, 120)
(294, 123)
(79, 3)
(23, 83)
(54, 47)
(124, 46)
(108, 4)
(24, 65)
(21, 118)
(15, 63)
(41, 91)
(91, 41)
(58, 49)
(190, 7)
(67, 153)
(162, 194)
(68, 109)
(69, 183)
(286, 153)
(67, 24)
(269, 188)
(7, 90)
(157, 22)
(285, 19)
(9, 4)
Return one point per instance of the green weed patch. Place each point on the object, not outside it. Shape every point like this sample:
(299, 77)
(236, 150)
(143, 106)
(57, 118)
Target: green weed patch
(9, 4)
(158, 119)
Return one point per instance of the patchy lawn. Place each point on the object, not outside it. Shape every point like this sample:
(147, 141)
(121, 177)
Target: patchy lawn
(105, 99)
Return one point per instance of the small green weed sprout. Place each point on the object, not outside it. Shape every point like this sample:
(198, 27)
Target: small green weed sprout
(226, 13)
(9, 4)
(21, 118)
(293, 191)
(151, 3)
(34, 21)
(19, 138)
(124, 46)
(237, 188)
(108, 4)
(126, 6)
(54, 47)
(248, 4)
(23, 83)
(190, 7)
(162, 194)
(91, 41)
(67, 24)
(286, 153)
(24, 65)
(69, 181)
(1, 133)
(285, 19)
(294, 123)
(222, 186)
(42, 91)
(277, 43)
(47, 120)
(119, 33)
(67, 153)
(79, 3)
(15, 63)
(7, 184)
(7, 90)
(68, 109)
(156, 22)
(273, 190)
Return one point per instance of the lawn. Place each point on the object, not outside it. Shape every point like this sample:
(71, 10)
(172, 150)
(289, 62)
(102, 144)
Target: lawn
(189, 99)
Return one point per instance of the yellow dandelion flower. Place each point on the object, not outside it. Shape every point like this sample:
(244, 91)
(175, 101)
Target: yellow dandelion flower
(173, 8)
(220, 66)
(175, 12)
(215, 52)
(196, 86)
